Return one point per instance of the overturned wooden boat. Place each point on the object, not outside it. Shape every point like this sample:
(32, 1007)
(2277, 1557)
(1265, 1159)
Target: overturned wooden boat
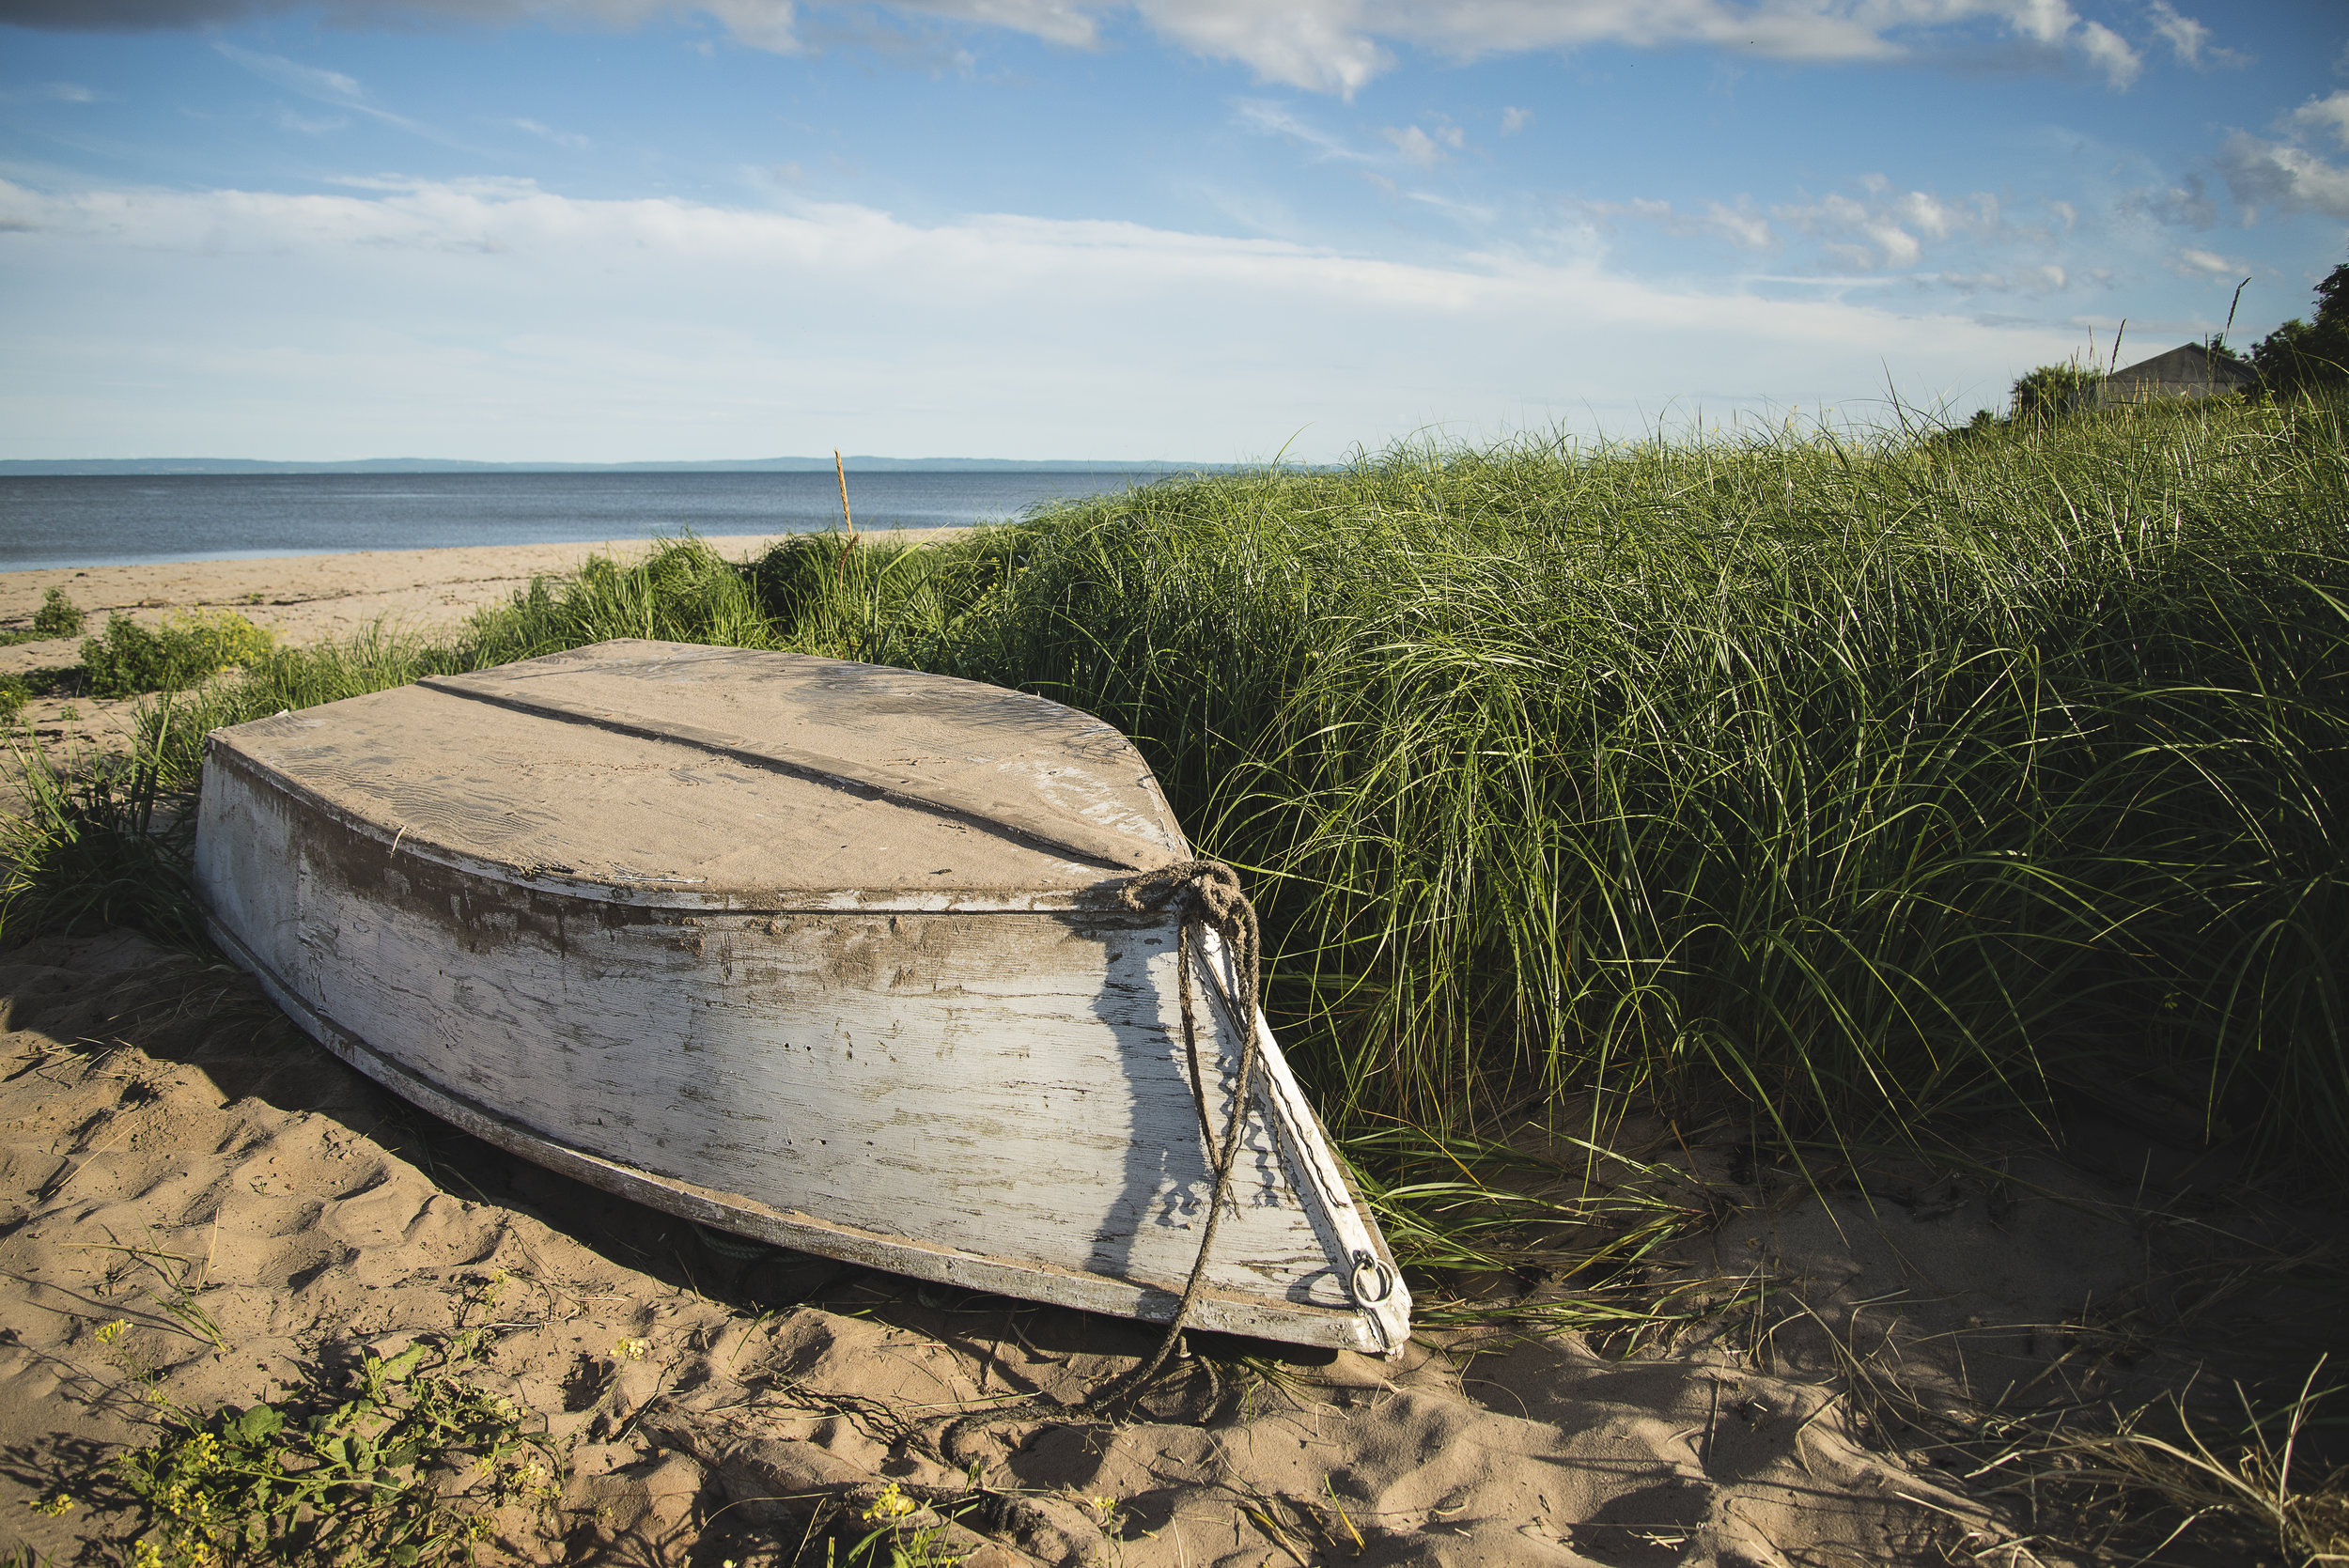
(825, 955)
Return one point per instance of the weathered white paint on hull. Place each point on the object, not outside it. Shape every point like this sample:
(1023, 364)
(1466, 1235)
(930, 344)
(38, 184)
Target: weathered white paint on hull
(983, 1085)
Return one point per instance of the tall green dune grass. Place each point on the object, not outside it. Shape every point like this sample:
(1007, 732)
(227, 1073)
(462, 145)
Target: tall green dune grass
(1854, 783)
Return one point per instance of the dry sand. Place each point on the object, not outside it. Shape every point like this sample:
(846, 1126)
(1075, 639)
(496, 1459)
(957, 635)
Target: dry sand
(170, 1138)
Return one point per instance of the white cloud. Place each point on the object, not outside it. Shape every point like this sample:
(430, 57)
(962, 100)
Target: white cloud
(1276, 120)
(323, 86)
(1889, 229)
(1414, 146)
(2188, 40)
(2328, 115)
(2264, 174)
(1468, 213)
(1514, 119)
(1316, 44)
(51, 92)
(328, 87)
(568, 139)
(1340, 46)
(1741, 223)
(2192, 262)
(1332, 46)
(505, 321)
(2185, 37)
(2110, 52)
(2282, 176)
(2044, 279)
(1423, 151)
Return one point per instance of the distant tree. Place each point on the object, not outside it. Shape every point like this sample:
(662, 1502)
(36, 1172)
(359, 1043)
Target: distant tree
(2302, 356)
(2048, 391)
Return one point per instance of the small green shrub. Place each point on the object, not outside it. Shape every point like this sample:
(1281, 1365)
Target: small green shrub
(395, 1473)
(129, 659)
(89, 851)
(58, 617)
(14, 694)
(2050, 392)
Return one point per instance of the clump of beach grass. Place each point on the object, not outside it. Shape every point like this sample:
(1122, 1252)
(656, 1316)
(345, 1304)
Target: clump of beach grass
(1858, 784)
(99, 841)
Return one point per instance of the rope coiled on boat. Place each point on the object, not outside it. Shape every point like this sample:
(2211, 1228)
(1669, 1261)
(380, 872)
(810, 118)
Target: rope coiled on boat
(1204, 895)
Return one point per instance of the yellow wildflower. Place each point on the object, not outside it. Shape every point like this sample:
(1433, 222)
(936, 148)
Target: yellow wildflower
(891, 1505)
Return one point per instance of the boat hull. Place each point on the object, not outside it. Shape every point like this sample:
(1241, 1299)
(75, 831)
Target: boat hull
(986, 1089)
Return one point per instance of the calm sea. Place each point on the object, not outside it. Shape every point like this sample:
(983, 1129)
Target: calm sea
(124, 520)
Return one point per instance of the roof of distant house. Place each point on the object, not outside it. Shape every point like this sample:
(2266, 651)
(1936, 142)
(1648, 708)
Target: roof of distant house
(2188, 364)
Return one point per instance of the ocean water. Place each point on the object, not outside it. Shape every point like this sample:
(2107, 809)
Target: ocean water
(123, 519)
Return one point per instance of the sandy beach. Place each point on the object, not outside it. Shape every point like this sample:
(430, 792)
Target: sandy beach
(200, 1207)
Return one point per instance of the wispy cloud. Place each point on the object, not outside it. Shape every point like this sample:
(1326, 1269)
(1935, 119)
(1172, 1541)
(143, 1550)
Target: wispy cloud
(2111, 54)
(2188, 40)
(1326, 46)
(1884, 227)
(2282, 177)
(571, 140)
(1270, 118)
(2044, 279)
(1740, 222)
(2328, 115)
(316, 83)
(1423, 149)
(2190, 261)
(1880, 228)
(51, 92)
(547, 296)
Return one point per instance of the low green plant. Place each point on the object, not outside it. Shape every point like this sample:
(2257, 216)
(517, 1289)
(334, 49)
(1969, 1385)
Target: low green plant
(99, 841)
(58, 617)
(2050, 392)
(401, 1471)
(14, 694)
(680, 592)
(905, 1535)
(129, 659)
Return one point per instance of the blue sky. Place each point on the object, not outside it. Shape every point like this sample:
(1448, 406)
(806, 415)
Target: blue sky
(602, 230)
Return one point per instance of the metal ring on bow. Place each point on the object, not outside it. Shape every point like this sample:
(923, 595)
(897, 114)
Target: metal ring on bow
(1377, 1270)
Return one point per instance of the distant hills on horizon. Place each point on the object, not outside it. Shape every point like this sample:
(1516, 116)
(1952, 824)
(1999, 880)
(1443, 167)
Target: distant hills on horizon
(70, 467)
